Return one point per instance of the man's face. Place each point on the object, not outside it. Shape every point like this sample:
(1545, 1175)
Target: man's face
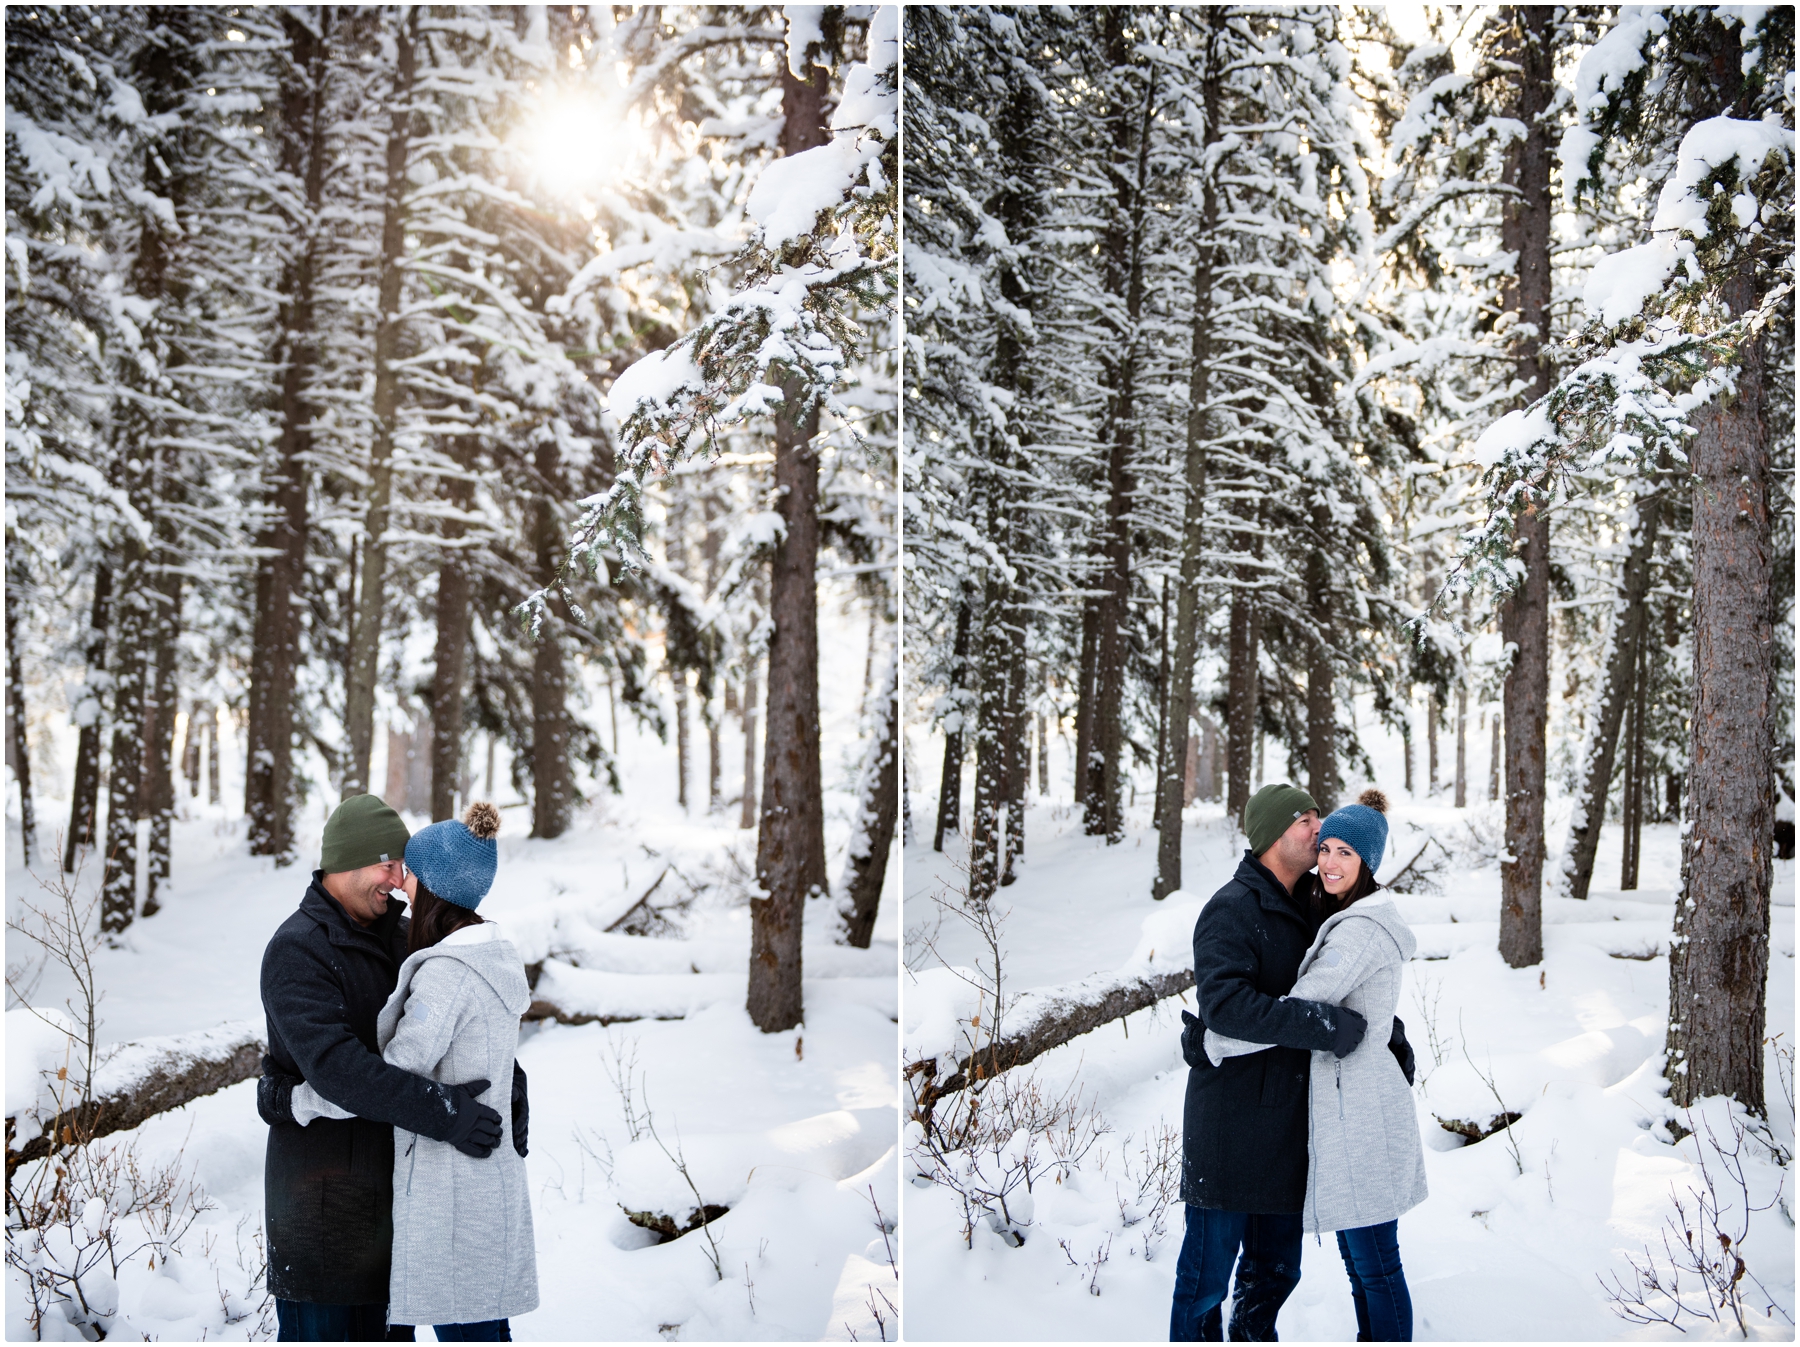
(364, 892)
(1298, 847)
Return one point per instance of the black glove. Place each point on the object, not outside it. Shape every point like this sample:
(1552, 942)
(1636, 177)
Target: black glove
(1347, 1030)
(1402, 1050)
(275, 1095)
(521, 1110)
(475, 1130)
(1193, 1040)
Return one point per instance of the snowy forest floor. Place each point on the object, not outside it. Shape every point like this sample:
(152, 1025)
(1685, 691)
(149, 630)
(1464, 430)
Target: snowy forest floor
(794, 1132)
(1503, 1249)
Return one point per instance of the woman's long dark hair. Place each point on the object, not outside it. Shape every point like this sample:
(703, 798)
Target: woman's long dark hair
(433, 918)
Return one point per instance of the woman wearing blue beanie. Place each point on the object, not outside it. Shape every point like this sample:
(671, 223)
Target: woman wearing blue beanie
(1366, 1162)
(464, 1258)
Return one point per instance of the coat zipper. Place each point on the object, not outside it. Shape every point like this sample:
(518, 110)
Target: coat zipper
(1340, 1089)
(412, 1165)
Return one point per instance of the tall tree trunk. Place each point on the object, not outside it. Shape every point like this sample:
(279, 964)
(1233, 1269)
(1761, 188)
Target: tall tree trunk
(159, 728)
(683, 750)
(274, 658)
(1432, 719)
(1406, 743)
(715, 798)
(1123, 251)
(89, 713)
(872, 831)
(1321, 703)
(552, 784)
(1719, 953)
(1240, 700)
(212, 754)
(19, 749)
(125, 781)
(1170, 786)
(1462, 748)
(1087, 773)
(986, 839)
(790, 843)
(1043, 756)
(1525, 612)
(450, 662)
(1631, 811)
(190, 752)
(1496, 757)
(1627, 631)
(747, 811)
(365, 640)
(1018, 734)
(949, 812)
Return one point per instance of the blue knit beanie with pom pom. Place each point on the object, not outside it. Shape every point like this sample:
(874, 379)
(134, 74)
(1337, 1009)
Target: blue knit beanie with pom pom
(1363, 825)
(457, 861)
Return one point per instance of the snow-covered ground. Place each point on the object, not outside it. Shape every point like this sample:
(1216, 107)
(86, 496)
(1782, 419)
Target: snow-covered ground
(1502, 1250)
(794, 1132)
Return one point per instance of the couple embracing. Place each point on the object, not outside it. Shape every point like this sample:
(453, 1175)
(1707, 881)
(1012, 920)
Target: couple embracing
(1297, 1119)
(394, 1194)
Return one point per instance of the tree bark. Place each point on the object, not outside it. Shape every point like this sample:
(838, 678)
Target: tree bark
(1627, 632)
(949, 812)
(1170, 787)
(1018, 733)
(1321, 704)
(84, 803)
(1462, 748)
(790, 843)
(447, 677)
(125, 781)
(986, 836)
(159, 730)
(1122, 247)
(1719, 952)
(1432, 717)
(1043, 756)
(552, 785)
(1496, 757)
(747, 811)
(872, 835)
(268, 778)
(15, 717)
(1632, 804)
(1087, 775)
(1240, 700)
(1525, 612)
(365, 640)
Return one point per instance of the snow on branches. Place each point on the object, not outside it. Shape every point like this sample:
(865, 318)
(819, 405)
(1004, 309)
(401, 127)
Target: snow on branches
(821, 256)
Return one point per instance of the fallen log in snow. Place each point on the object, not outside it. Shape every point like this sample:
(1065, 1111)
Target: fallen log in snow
(571, 995)
(138, 1081)
(1045, 1020)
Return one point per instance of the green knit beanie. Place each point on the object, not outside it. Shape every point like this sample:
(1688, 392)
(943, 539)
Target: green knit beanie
(1271, 812)
(362, 831)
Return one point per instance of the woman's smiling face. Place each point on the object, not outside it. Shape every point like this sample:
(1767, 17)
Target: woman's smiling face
(1339, 866)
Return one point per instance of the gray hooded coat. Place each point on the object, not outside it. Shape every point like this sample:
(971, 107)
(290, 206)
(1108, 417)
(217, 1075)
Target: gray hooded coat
(463, 1246)
(1365, 1161)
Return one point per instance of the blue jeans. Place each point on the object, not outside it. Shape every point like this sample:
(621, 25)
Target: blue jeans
(1267, 1274)
(1377, 1282)
(303, 1321)
(489, 1330)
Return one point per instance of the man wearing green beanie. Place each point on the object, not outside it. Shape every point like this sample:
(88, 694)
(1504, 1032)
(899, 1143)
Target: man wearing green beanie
(1244, 1129)
(328, 1183)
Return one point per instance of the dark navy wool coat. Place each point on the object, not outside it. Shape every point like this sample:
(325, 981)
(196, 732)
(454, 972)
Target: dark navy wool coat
(329, 1186)
(1244, 1123)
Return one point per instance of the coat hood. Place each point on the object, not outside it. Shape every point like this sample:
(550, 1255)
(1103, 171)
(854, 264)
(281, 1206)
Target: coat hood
(485, 951)
(1382, 912)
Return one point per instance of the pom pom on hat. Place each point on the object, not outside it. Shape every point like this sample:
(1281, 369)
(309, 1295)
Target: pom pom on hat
(1371, 798)
(457, 861)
